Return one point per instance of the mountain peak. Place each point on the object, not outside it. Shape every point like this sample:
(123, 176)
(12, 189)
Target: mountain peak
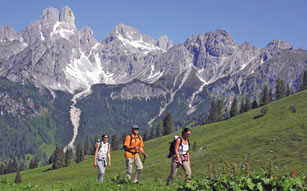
(127, 32)
(132, 38)
(8, 34)
(50, 15)
(279, 44)
(67, 16)
(220, 35)
(222, 32)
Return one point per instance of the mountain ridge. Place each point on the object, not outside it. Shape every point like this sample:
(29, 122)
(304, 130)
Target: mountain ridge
(136, 71)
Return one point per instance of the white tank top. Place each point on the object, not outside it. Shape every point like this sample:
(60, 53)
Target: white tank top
(103, 151)
(183, 149)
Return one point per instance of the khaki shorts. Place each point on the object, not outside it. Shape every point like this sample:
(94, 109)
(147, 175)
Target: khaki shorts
(129, 164)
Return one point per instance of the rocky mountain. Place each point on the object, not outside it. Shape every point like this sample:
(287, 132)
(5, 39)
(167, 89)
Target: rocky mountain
(130, 77)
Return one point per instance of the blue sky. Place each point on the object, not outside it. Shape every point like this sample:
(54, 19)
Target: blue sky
(254, 21)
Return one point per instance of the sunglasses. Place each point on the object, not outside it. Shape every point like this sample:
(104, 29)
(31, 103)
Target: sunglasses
(105, 137)
(188, 134)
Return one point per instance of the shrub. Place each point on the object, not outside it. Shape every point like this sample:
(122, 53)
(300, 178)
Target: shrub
(4, 181)
(292, 108)
(18, 178)
(258, 116)
(264, 110)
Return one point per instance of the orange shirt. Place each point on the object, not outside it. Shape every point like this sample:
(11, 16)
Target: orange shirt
(135, 141)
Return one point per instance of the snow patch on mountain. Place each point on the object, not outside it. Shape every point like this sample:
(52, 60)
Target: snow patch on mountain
(187, 71)
(62, 29)
(105, 76)
(82, 72)
(40, 31)
(191, 99)
(153, 76)
(138, 44)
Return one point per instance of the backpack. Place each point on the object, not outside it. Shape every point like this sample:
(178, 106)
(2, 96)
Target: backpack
(172, 146)
(138, 137)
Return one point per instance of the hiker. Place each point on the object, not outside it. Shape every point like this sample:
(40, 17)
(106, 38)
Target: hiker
(181, 157)
(101, 154)
(133, 144)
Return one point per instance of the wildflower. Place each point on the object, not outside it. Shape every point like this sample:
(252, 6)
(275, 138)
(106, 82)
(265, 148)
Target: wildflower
(293, 173)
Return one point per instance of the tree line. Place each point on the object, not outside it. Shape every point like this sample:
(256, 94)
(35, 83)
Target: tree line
(218, 112)
(164, 127)
(13, 166)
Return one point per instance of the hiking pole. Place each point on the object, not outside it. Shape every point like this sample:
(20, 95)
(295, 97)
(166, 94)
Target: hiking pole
(144, 159)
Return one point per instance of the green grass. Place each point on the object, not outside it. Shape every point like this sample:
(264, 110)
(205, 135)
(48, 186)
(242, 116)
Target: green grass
(279, 138)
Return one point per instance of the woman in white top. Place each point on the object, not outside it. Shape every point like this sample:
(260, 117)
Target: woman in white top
(181, 157)
(102, 155)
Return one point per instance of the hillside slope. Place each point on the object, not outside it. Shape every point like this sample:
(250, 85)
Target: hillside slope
(279, 137)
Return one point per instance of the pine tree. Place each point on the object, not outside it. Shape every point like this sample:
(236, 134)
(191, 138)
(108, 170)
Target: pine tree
(93, 145)
(277, 89)
(18, 177)
(58, 158)
(265, 96)
(8, 167)
(270, 96)
(280, 89)
(248, 105)
(159, 129)
(226, 113)
(254, 104)
(242, 105)
(12, 166)
(68, 156)
(21, 166)
(234, 108)
(303, 81)
(2, 169)
(213, 112)
(146, 134)
(86, 147)
(219, 107)
(152, 132)
(203, 120)
(288, 90)
(168, 124)
(79, 153)
(34, 163)
(115, 142)
(51, 158)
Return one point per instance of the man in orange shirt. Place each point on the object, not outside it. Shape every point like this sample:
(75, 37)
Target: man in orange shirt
(133, 145)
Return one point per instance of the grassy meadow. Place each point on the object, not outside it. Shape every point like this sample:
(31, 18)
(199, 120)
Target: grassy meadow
(276, 142)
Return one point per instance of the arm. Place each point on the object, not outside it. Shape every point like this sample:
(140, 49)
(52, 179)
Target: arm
(109, 155)
(141, 147)
(97, 148)
(143, 152)
(177, 151)
(189, 158)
